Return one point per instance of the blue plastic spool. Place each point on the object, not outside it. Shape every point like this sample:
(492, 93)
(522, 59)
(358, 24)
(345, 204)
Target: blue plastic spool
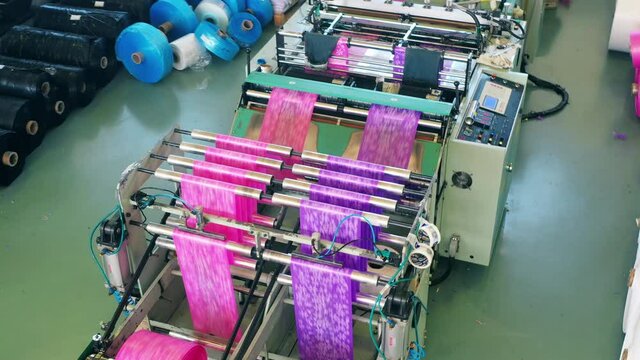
(236, 6)
(174, 17)
(194, 3)
(262, 9)
(216, 41)
(245, 29)
(145, 52)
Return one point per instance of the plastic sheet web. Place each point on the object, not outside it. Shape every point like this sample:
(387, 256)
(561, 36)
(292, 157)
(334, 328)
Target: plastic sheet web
(287, 119)
(345, 198)
(246, 146)
(324, 219)
(399, 55)
(204, 264)
(147, 345)
(232, 158)
(322, 298)
(358, 168)
(341, 50)
(349, 182)
(217, 198)
(225, 173)
(389, 135)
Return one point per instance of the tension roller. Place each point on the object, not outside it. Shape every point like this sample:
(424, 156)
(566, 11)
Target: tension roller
(145, 50)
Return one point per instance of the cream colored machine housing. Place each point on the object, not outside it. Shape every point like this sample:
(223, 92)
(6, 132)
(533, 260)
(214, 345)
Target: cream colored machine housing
(478, 172)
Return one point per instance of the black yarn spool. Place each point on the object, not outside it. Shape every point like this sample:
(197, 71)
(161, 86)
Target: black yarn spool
(54, 109)
(25, 83)
(139, 9)
(103, 77)
(58, 47)
(11, 10)
(22, 117)
(11, 157)
(77, 20)
(80, 85)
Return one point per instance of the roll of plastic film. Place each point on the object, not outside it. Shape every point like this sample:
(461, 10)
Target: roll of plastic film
(11, 157)
(214, 11)
(138, 8)
(262, 9)
(236, 6)
(245, 29)
(80, 86)
(174, 17)
(634, 42)
(189, 52)
(21, 116)
(145, 52)
(194, 3)
(216, 41)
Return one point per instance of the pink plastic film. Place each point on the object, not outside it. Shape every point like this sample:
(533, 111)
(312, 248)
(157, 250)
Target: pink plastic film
(147, 345)
(207, 281)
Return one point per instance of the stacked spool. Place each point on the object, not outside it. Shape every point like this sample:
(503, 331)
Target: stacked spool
(13, 12)
(634, 48)
(53, 67)
(182, 35)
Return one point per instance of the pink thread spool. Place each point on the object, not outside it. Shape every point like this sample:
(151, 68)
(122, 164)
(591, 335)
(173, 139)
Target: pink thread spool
(147, 345)
(635, 91)
(634, 48)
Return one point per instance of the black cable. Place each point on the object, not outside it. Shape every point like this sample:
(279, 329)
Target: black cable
(522, 31)
(445, 274)
(313, 244)
(562, 92)
(134, 280)
(236, 328)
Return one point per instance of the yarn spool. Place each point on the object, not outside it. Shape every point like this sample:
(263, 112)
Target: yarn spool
(636, 93)
(138, 9)
(80, 87)
(57, 47)
(29, 84)
(174, 18)
(55, 109)
(634, 48)
(261, 9)
(11, 157)
(189, 52)
(216, 41)
(245, 29)
(145, 52)
(20, 116)
(147, 345)
(236, 6)
(94, 22)
(214, 11)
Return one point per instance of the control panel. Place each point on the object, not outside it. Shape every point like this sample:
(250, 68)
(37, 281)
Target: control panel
(492, 111)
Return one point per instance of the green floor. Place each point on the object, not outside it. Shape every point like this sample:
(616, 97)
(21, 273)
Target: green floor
(555, 289)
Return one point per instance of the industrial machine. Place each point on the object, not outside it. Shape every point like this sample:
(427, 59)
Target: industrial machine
(447, 202)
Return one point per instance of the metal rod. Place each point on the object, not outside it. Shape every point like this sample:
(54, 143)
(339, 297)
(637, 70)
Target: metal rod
(277, 234)
(311, 156)
(268, 255)
(347, 109)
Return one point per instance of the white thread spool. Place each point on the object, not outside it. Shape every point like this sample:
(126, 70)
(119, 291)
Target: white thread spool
(187, 52)
(422, 257)
(214, 11)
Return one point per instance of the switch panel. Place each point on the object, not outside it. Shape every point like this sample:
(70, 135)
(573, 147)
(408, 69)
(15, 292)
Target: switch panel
(496, 108)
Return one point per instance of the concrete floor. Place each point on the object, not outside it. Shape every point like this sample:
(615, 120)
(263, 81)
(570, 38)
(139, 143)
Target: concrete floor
(555, 289)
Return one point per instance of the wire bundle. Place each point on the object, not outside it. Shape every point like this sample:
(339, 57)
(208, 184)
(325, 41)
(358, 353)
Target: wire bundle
(93, 22)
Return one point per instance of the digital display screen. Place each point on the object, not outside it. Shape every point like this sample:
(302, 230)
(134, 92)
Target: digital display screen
(490, 102)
